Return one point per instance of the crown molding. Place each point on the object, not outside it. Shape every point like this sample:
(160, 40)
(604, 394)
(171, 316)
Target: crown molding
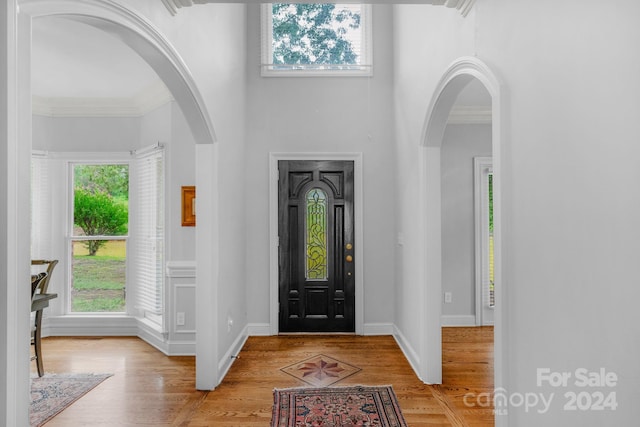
(464, 6)
(145, 101)
(470, 115)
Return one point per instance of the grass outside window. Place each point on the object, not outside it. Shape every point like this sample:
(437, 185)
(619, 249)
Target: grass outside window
(99, 280)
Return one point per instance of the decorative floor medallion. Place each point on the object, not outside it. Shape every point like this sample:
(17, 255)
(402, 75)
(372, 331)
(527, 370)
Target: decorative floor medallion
(320, 370)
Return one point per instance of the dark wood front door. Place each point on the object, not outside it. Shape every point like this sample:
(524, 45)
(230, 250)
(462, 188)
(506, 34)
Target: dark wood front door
(316, 249)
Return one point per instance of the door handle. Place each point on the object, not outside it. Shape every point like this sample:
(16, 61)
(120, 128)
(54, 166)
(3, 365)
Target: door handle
(349, 258)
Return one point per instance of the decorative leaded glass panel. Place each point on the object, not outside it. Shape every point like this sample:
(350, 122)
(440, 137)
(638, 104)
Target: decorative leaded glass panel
(316, 235)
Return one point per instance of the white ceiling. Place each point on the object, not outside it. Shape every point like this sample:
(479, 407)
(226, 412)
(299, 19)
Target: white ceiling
(75, 60)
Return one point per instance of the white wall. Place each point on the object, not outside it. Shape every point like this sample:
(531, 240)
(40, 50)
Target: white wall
(569, 179)
(331, 114)
(461, 143)
(86, 134)
(426, 40)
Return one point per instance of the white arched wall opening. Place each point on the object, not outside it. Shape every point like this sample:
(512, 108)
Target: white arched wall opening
(146, 40)
(453, 81)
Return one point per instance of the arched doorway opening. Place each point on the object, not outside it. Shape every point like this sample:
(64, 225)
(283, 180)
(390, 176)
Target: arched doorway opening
(151, 46)
(457, 77)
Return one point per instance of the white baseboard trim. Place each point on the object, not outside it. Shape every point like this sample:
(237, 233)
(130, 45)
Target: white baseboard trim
(408, 350)
(232, 354)
(149, 333)
(115, 326)
(371, 329)
(181, 348)
(259, 330)
(458, 320)
(78, 326)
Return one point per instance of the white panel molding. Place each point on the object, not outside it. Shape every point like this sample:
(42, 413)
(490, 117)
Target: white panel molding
(149, 99)
(181, 269)
(173, 315)
(458, 320)
(463, 6)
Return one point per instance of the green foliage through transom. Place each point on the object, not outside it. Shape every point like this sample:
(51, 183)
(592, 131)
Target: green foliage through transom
(314, 34)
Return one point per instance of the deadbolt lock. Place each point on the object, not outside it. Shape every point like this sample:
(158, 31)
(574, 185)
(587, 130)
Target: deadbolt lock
(349, 246)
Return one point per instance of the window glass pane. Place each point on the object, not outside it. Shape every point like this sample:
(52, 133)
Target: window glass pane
(314, 37)
(491, 282)
(316, 235)
(316, 33)
(101, 200)
(98, 265)
(98, 281)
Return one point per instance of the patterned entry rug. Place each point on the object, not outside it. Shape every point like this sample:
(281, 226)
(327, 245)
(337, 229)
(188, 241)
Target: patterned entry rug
(51, 393)
(336, 407)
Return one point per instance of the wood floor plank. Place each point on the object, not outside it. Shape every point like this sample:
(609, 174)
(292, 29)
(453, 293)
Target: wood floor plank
(149, 388)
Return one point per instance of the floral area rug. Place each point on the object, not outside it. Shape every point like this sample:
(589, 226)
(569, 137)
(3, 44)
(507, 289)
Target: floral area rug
(336, 407)
(51, 393)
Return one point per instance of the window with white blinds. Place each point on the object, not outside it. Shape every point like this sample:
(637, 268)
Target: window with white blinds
(148, 233)
(40, 207)
(483, 183)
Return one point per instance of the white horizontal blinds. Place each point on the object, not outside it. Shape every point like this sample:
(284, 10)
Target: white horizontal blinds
(148, 233)
(487, 275)
(357, 37)
(40, 207)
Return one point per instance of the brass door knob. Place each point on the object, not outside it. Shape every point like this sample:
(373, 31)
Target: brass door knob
(349, 258)
(349, 246)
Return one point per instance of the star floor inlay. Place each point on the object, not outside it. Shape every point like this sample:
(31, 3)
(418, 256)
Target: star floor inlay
(320, 370)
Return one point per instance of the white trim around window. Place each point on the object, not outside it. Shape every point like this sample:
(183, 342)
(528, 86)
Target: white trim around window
(483, 167)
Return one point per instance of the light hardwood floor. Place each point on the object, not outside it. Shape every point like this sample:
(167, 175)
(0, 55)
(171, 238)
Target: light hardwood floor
(151, 389)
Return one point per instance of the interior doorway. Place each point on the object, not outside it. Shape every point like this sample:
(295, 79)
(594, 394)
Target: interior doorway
(466, 177)
(456, 78)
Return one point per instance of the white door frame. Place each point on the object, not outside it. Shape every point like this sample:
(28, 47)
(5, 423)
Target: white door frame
(273, 231)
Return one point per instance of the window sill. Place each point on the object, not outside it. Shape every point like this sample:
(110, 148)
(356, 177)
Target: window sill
(271, 71)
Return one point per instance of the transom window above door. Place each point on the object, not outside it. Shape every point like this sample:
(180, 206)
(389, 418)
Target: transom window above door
(316, 39)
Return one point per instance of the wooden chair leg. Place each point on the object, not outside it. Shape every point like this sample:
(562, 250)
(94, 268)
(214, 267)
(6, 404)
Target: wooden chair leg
(37, 343)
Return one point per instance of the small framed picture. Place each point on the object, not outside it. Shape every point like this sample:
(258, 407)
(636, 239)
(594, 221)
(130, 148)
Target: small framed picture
(188, 206)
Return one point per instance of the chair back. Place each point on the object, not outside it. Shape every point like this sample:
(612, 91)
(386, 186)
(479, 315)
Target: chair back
(36, 281)
(44, 282)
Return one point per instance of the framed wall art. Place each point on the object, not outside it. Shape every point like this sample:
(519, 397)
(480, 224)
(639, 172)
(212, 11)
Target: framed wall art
(189, 206)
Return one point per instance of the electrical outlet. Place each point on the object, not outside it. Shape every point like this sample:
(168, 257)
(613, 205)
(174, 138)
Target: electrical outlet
(180, 318)
(448, 297)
